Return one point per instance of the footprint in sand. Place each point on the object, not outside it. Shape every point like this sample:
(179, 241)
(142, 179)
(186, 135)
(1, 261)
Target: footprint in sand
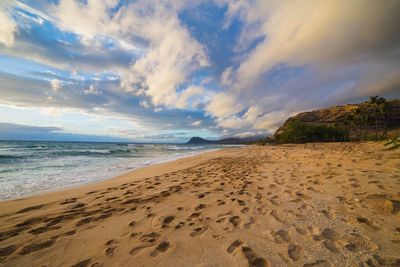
(329, 245)
(248, 224)
(75, 206)
(134, 234)
(244, 210)
(167, 220)
(385, 261)
(202, 195)
(294, 251)
(201, 206)
(162, 247)
(30, 208)
(36, 246)
(83, 263)
(85, 220)
(235, 244)
(281, 236)
(151, 237)
(277, 216)
(252, 258)
(241, 202)
(357, 242)
(195, 214)
(138, 249)
(180, 225)
(5, 251)
(329, 234)
(43, 229)
(368, 222)
(198, 231)
(301, 231)
(234, 220)
(111, 247)
(221, 202)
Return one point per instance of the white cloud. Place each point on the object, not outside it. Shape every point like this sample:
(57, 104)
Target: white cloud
(190, 98)
(308, 54)
(92, 90)
(162, 65)
(345, 49)
(7, 26)
(51, 111)
(299, 32)
(196, 123)
(144, 104)
(91, 21)
(223, 105)
(55, 85)
(172, 56)
(41, 15)
(226, 77)
(29, 19)
(255, 121)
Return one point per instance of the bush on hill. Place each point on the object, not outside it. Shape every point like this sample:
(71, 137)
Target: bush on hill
(298, 132)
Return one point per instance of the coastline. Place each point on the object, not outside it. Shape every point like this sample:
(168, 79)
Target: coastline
(317, 204)
(101, 178)
(158, 168)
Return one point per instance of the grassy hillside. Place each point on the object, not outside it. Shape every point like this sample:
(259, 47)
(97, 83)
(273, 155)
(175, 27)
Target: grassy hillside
(373, 120)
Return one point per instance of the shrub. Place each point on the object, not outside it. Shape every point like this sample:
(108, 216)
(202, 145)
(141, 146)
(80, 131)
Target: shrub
(298, 132)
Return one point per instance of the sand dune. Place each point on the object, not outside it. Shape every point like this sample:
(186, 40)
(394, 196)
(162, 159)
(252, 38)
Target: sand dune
(292, 205)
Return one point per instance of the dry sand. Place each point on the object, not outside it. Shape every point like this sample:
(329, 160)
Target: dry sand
(292, 205)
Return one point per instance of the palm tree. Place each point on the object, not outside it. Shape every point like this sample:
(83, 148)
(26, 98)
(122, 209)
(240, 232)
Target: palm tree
(375, 101)
(364, 124)
(345, 122)
(355, 117)
(385, 109)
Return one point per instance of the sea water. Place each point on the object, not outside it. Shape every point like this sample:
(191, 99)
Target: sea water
(29, 167)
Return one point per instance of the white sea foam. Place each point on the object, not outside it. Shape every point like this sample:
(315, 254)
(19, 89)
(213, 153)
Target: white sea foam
(30, 167)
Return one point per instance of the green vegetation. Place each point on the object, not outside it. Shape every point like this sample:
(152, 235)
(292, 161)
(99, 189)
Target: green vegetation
(392, 143)
(367, 121)
(298, 132)
(383, 109)
(360, 122)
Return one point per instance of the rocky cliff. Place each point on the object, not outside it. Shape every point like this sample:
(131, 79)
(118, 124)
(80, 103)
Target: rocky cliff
(338, 114)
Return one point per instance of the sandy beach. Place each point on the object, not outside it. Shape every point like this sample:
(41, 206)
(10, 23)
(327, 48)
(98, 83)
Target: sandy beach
(334, 204)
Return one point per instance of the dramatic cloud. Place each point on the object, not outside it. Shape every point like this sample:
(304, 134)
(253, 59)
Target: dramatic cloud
(211, 68)
(345, 50)
(7, 25)
(171, 58)
(327, 33)
(223, 105)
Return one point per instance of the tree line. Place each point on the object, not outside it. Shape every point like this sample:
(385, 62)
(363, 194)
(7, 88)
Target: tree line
(356, 125)
(361, 121)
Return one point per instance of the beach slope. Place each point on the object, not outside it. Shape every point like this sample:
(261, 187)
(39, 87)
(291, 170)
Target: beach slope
(335, 204)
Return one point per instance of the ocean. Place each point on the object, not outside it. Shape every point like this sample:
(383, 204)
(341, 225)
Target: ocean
(29, 167)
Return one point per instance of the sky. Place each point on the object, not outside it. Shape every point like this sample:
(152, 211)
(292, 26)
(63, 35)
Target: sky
(166, 70)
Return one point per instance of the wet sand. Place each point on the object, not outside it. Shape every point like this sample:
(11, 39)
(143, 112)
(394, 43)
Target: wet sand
(290, 205)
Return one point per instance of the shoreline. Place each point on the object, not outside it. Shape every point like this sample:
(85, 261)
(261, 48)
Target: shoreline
(316, 204)
(113, 176)
(135, 174)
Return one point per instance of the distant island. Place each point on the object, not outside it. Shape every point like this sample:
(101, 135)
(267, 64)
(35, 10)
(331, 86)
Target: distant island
(226, 141)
